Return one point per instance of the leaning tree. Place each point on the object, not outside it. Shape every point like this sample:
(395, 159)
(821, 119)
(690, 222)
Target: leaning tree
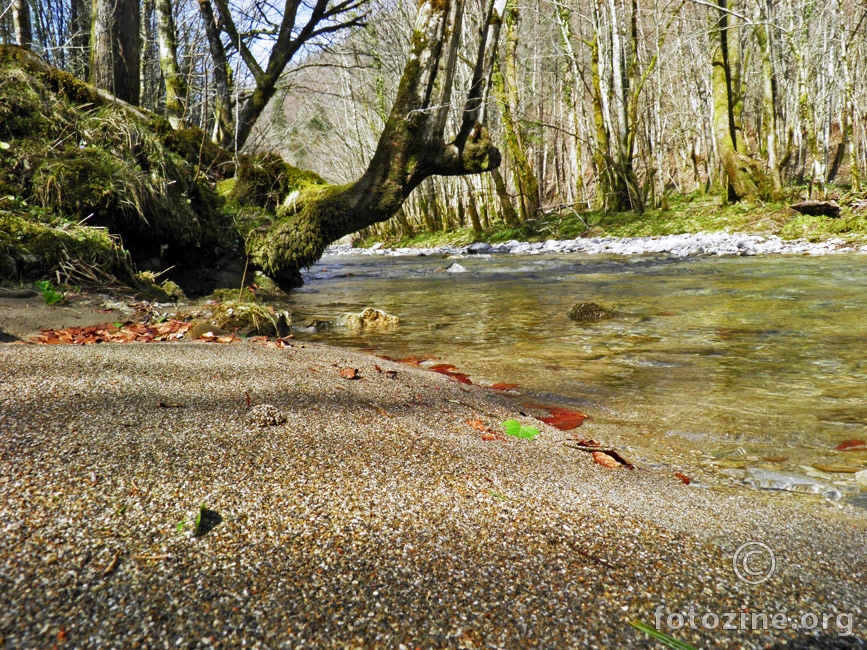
(413, 145)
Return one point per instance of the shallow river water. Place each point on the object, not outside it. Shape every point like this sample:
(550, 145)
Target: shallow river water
(762, 355)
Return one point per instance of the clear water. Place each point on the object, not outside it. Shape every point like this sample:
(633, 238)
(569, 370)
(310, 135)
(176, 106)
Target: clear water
(764, 353)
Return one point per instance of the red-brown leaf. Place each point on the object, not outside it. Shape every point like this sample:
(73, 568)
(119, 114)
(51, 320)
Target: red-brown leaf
(350, 373)
(683, 477)
(601, 458)
(564, 419)
(852, 445)
(478, 425)
(504, 386)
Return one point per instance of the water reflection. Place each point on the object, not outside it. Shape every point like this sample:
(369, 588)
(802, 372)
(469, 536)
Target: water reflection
(767, 352)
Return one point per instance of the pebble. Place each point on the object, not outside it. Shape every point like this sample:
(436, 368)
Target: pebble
(685, 245)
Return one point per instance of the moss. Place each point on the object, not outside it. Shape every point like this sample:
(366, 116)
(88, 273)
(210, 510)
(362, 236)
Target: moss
(264, 180)
(79, 157)
(300, 234)
(251, 319)
(194, 146)
(78, 182)
(40, 246)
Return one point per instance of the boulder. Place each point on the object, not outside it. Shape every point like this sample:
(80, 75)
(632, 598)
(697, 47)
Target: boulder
(588, 312)
(251, 319)
(368, 320)
(817, 208)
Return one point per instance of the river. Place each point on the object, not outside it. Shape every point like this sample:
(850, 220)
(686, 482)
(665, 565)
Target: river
(761, 356)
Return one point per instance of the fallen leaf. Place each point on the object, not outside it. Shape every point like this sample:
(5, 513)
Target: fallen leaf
(584, 442)
(414, 361)
(169, 405)
(852, 445)
(601, 458)
(683, 477)
(836, 469)
(391, 374)
(490, 436)
(564, 419)
(377, 368)
(478, 425)
(350, 373)
(449, 370)
(247, 396)
(504, 386)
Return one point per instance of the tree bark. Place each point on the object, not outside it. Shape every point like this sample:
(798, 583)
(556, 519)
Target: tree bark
(505, 84)
(412, 147)
(176, 85)
(224, 121)
(23, 27)
(115, 48)
(79, 39)
(745, 179)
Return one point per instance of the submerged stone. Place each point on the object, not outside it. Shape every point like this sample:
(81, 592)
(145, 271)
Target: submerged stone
(587, 312)
(765, 479)
(368, 320)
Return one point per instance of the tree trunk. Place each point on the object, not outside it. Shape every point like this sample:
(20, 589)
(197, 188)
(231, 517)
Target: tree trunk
(21, 18)
(745, 178)
(115, 48)
(509, 215)
(176, 85)
(411, 148)
(224, 121)
(79, 38)
(506, 86)
(769, 108)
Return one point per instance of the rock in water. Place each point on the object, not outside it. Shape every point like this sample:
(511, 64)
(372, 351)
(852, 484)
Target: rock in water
(587, 312)
(455, 268)
(368, 320)
(766, 479)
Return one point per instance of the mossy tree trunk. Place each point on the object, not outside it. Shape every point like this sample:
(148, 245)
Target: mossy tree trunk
(412, 146)
(224, 121)
(176, 85)
(115, 48)
(746, 180)
(505, 83)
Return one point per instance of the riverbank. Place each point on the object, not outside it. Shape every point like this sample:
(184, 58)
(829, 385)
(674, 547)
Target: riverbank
(718, 243)
(369, 514)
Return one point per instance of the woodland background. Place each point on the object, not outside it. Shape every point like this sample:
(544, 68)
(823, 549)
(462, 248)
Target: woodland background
(611, 105)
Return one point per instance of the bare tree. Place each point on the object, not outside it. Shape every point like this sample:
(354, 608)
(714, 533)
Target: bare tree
(412, 146)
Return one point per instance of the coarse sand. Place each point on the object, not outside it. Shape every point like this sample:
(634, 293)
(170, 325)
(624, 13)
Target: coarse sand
(367, 513)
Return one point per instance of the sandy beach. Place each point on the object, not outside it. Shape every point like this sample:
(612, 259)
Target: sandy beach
(367, 513)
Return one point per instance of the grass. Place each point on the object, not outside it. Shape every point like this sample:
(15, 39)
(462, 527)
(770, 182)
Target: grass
(685, 214)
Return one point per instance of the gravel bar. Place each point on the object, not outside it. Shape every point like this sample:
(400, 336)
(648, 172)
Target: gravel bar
(365, 513)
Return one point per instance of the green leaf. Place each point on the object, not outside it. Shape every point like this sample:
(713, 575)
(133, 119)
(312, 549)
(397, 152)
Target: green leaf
(662, 637)
(181, 524)
(49, 294)
(198, 528)
(498, 496)
(517, 430)
(4, 145)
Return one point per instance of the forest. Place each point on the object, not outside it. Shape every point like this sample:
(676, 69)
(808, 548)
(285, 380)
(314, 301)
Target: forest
(575, 108)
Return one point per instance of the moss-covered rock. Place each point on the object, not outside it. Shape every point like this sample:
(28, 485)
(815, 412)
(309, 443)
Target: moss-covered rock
(588, 312)
(250, 319)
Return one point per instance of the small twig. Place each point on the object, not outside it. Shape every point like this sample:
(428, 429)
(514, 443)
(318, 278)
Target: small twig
(595, 559)
(111, 565)
(151, 557)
